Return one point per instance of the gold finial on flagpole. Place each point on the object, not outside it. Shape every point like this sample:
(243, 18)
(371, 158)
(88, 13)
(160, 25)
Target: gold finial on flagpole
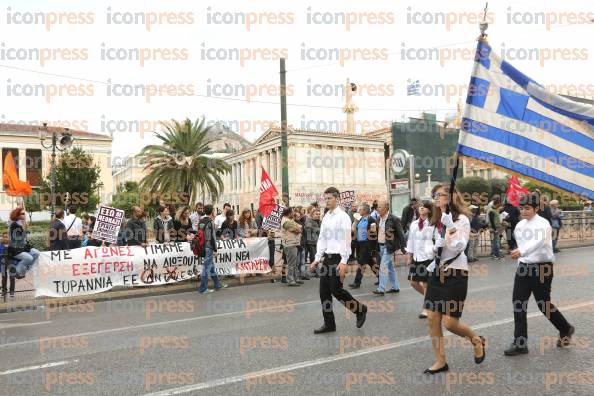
(484, 25)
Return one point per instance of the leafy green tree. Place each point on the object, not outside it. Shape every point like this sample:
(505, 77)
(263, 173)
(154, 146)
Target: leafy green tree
(33, 203)
(128, 195)
(474, 189)
(498, 186)
(181, 163)
(78, 180)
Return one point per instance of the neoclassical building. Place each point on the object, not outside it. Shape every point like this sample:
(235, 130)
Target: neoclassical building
(316, 160)
(33, 161)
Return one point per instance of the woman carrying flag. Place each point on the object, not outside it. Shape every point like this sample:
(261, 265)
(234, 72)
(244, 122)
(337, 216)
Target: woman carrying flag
(447, 284)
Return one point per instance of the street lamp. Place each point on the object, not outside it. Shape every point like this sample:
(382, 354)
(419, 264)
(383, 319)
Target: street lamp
(60, 143)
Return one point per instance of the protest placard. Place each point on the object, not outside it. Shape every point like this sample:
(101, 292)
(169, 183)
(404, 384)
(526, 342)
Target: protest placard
(273, 222)
(108, 223)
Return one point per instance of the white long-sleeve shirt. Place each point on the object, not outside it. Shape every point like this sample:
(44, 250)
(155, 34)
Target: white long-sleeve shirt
(455, 243)
(420, 242)
(535, 242)
(335, 235)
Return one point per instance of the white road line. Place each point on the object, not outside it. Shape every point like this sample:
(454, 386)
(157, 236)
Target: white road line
(186, 320)
(12, 325)
(331, 359)
(41, 366)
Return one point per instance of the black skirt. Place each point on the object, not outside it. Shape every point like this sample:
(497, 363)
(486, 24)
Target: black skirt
(418, 270)
(447, 297)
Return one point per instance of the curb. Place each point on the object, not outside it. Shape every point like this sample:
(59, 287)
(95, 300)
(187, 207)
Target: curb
(124, 293)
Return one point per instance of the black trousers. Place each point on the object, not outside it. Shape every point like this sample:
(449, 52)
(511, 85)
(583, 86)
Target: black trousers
(535, 279)
(271, 252)
(331, 286)
(365, 257)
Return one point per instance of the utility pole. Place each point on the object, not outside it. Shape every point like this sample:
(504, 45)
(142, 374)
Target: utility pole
(284, 148)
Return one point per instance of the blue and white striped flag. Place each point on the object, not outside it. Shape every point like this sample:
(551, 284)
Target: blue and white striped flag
(514, 123)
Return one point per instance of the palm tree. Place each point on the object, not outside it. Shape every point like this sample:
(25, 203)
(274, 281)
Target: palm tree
(182, 162)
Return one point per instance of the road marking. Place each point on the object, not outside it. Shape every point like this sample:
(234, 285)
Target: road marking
(331, 359)
(11, 325)
(193, 319)
(41, 366)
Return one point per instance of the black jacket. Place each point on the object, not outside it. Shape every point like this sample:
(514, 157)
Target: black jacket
(182, 230)
(135, 232)
(210, 233)
(394, 234)
(58, 236)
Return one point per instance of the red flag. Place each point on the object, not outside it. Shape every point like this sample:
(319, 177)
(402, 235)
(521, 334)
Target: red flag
(267, 194)
(514, 190)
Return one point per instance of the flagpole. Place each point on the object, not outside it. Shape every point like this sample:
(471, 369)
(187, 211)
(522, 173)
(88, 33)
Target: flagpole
(483, 37)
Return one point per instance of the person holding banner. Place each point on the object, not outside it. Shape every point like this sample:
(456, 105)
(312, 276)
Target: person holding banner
(136, 228)
(163, 225)
(334, 246)
(447, 284)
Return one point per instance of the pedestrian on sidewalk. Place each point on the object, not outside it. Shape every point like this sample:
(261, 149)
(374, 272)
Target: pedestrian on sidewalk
(312, 233)
(206, 224)
(334, 247)
(419, 247)
(534, 275)
(390, 239)
(495, 227)
(363, 228)
(476, 227)
(291, 237)
(556, 222)
(58, 239)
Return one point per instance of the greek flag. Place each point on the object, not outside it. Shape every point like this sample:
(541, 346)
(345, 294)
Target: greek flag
(512, 122)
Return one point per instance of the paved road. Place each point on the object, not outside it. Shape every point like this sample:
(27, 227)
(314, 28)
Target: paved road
(258, 340)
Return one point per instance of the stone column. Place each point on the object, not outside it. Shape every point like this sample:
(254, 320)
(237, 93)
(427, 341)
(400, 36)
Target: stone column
(23, 164)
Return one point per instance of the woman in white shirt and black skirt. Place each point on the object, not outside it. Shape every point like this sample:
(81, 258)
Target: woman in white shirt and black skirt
(447, 283)
(420, 250)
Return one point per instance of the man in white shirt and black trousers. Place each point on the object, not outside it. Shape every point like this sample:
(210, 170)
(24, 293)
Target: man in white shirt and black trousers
(334, 245)
(534, 274)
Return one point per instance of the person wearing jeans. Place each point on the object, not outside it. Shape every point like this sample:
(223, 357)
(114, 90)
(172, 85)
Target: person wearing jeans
(210, 248)
(208, 269)
(387, 272)
(390, 238)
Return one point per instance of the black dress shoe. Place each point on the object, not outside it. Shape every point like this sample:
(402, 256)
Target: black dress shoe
(361, 316)
(354, 286)
(514, 350)
(379, 293)
(393, 291)
(439, 370)
(479, 360)
(565, 340)
(324, 329)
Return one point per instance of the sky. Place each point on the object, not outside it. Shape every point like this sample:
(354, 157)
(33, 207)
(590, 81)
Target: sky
(124, 67)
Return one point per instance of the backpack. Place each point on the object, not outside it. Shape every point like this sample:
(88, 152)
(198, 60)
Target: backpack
(200, 239)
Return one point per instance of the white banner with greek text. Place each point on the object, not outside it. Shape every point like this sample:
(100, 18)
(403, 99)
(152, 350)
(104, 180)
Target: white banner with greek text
(90, 270)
